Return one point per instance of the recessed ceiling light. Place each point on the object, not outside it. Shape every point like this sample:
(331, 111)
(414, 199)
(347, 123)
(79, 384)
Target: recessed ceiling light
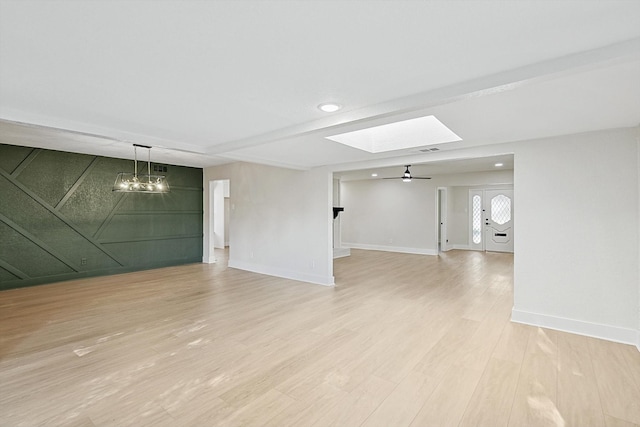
(374, 175)
(329, 107)
(499, 165)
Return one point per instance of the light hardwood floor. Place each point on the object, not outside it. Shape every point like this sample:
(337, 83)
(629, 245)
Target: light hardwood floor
(402, 340)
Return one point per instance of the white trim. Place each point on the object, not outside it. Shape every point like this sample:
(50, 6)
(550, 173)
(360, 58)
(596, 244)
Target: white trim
(638, 310)
(341, 252)
(463, 248)
(283, 273)
(441, 216)
(595, 330)
(210, 259)
(417, 251)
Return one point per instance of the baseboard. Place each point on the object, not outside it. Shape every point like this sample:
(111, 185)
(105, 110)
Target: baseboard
(283, 273)
(384, 248)
(209, 260)
(594, 330)
(341, 252)
(462, 247)
(47, 280)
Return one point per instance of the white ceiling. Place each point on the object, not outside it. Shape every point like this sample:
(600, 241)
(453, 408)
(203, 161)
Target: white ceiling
(432, 169)
(209, 82)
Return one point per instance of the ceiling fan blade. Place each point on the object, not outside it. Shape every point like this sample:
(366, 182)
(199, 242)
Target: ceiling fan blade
(407, 175)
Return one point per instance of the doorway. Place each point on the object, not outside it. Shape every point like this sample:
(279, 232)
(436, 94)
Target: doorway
(219, 208)
(491, 220)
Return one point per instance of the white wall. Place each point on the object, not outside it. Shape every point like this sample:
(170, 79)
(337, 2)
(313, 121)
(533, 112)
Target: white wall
(576, 262)
(227, 215)
(280, 220)
(337, 223)
(389, 215)
(458, 217)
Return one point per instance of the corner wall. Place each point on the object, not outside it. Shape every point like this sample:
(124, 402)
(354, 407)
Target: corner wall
(576, 252)
(280, 221)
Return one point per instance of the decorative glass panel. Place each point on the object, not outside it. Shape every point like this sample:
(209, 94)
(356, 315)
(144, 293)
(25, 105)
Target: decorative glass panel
(476, 219)
(501, 209)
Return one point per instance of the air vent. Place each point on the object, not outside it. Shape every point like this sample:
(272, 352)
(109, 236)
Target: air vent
(428, 150)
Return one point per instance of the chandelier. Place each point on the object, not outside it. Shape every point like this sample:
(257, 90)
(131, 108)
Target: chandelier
(144, 183)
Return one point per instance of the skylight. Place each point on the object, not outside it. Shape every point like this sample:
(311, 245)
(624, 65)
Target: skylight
(410, 133)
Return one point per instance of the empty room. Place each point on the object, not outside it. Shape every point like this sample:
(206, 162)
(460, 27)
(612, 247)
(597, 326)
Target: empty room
(319, 213)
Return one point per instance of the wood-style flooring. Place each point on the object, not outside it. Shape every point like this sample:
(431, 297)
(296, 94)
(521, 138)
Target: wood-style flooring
(402, 340)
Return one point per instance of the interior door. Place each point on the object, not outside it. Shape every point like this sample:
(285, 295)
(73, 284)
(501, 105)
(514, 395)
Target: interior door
(498, 220)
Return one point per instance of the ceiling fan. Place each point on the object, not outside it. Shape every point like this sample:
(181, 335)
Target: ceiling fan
(406, 176)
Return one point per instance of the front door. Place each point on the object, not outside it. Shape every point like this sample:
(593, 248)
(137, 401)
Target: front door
(498, 220)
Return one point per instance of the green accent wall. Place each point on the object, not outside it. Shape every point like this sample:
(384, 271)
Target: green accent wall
(59, 219)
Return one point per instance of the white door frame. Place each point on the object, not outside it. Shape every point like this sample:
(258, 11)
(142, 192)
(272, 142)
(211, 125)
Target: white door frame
(442, 242)
(482, 193)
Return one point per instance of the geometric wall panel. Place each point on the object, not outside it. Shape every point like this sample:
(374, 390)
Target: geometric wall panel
(12, 156)
(6, 275)
(59, 219)
(47, 179)
(15, 246)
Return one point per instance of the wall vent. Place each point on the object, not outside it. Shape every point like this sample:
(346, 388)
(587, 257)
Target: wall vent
(428, 150)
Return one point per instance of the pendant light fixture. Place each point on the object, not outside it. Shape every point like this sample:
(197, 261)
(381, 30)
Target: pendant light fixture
(144, 183)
